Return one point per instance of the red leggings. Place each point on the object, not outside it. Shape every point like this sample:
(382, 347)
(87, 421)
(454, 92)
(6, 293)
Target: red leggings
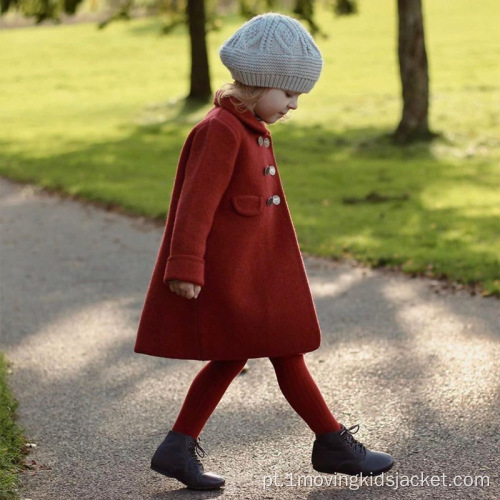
(294, 380)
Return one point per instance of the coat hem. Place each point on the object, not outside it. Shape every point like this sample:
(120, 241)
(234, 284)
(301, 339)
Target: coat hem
(226, 358)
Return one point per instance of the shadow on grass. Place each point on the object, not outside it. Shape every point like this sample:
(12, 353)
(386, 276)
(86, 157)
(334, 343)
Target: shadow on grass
(356, 194)
(157, 117)
(408, 210)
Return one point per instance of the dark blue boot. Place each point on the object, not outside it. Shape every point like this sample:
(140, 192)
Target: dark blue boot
(177, 457)
(340, 452)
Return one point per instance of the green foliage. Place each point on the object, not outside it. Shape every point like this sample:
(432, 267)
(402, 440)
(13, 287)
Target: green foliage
(70, 6)
(121, 12)
(11, 439)
(5, 5)
(345, 7)
(173, 12)
(251, 8)
(305, 10)
(41, 10)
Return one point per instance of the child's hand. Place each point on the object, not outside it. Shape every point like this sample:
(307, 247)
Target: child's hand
(184, 289)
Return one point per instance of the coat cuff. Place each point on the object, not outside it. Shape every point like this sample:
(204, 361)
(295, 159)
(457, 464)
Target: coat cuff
(188, 268)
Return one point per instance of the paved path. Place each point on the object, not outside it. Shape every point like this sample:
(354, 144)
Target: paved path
(418, 370)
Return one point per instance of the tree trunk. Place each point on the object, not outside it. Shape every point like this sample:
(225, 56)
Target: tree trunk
(414, 73)
(200, 73)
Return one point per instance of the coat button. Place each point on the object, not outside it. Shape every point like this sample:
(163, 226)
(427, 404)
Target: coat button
(276, 200)
(260, 140)
(267, 142)
(270, 170)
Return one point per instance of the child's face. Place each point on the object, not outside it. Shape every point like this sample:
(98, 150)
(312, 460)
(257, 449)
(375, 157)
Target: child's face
(275, 104)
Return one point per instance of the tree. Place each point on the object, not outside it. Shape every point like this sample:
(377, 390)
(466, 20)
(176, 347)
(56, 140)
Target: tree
(200, 73)
(414, 73)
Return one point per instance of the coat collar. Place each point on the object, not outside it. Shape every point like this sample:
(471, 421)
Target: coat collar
(247, 117)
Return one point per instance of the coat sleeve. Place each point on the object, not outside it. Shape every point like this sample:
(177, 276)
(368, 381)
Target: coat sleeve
(208, 170)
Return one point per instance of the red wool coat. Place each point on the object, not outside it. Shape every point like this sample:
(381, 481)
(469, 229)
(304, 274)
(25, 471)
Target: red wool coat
(229, 230)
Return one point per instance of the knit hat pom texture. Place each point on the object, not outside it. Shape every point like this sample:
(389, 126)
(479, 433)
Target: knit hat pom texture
(273, 50)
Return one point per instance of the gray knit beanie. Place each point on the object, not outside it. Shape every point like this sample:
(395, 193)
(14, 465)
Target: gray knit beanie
(272, 50)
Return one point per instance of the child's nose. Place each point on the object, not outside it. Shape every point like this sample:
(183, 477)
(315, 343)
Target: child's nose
(293, 103)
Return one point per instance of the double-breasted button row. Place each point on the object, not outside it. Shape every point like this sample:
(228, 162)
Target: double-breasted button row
(264, 141)
(270, 170)
(273, 200)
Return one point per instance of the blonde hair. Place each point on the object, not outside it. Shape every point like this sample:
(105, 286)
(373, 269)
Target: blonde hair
(248, 95)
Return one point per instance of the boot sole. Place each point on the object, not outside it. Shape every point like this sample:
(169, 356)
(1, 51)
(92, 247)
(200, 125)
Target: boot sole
(381, 471)
(165, 473)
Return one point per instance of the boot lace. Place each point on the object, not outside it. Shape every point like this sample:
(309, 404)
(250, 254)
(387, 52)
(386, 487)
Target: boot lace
(347, 434)
(195, 450)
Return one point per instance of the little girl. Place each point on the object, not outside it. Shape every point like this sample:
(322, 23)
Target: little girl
(229, 281)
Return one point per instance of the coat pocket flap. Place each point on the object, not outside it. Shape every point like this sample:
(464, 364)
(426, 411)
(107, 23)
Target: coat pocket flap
(248, 204)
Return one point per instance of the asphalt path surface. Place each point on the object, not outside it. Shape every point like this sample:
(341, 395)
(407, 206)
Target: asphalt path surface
(415, 366)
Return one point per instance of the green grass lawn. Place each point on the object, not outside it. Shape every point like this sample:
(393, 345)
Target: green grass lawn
(11, 439)
(98, 114)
